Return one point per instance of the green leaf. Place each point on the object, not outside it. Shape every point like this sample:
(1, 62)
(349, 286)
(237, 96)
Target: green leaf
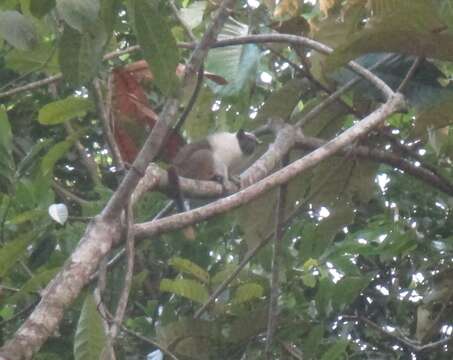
(436, 116)
(226, 272)
(188, 267)
(30, 160)
(247, 292)
(34, 284)
(336, 351)
(309, 280)
(249, 325)
(60, 111)
(90, 338)
(13, 250)
(412, 27)
(282, 102)
(108, 15)
(313, 341)
(201, 118)
(6, 136)
(193, 14)
(316, 238)
(56, 152)
(42, 57)
(6, 158)
(17, 30)
(39, 8)
(158, 44)
(189, 338)
(348, 288)
(80, 55)
(79, 14)
(187, 288)
(27, 216)
(237, 64)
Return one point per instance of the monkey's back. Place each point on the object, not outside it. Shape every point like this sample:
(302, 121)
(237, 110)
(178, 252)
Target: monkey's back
(195, 161)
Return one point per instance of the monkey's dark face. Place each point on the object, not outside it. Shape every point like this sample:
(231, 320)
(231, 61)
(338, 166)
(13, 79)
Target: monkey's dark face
(247, 141)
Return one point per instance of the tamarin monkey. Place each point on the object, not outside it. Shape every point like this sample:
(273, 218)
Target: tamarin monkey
(209, 159)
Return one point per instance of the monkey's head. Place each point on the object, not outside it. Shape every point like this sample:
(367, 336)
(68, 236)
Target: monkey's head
(247, 141)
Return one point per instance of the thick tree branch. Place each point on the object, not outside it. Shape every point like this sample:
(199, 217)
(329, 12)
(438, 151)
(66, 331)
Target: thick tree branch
(286, 136)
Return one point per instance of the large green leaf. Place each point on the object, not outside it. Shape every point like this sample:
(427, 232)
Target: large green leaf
(236, 64)
(60, 111)
(249, 324)
(17, 29)
(313, 341)
(79, 14)
(336, 352)
(108, 15)
(347, 289)
(412, 27)
(30, 160)
(13, 250)
(158, 44)
(344, 179)
(39, 8)
(56, 152)
(42, 57)
(80, 55)
(282, 102)
(436, 116)
(34, 284)
(201, 118)
(189, 267)
(193, 14)
(6, 158)
(246, 292)
(189, 338)
(90, 337)
(187, 288)
(316, 238)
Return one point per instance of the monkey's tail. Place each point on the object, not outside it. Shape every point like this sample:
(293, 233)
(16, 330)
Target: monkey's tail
(181, 205)
(175, 189)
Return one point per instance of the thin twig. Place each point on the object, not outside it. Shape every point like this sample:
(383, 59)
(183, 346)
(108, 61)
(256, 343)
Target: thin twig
(411, 72)
(130, 252)
(65, 193)
(209, 38)
(186, 27)
(276, 262)
(313, 113)
(292, 350)
(86, 158)
(192, 100)
(106, 114)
